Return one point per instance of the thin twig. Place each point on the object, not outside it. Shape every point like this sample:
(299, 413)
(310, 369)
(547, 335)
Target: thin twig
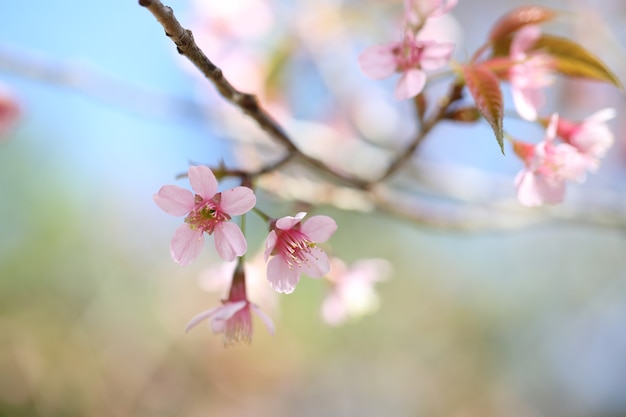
(248, 103)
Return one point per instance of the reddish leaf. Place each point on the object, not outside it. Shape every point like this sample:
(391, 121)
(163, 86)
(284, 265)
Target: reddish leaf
(484, 87)
(518, 18)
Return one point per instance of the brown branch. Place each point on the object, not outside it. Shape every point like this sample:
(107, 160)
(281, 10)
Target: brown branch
(426, 127)
(248, 103)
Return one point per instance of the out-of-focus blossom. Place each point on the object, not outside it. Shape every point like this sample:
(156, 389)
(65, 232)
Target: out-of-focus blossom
(292, 244)
(218, 277)
(233, 318)
(352, 294)
(548, 167)
(419, 11)
(410, 57)
(9, 112)
(529, 74)
(206, 211)
(592, 136)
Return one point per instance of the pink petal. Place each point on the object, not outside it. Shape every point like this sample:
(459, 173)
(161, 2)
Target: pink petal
(203, 181)
(379, 62)
(229, 309)
(317, 264)
(334, 310)
(524, 39)
(319, 228)
(174, 200)
(270, 243)
(199, 317)
(238, 201)
(436, 55)
(186, 244)
(535, 190)
(265, 318)
(601, 116)
(281, 276)
(551, 129)
(229, 241)
(288, 222)
(527, 101)
(410, 84)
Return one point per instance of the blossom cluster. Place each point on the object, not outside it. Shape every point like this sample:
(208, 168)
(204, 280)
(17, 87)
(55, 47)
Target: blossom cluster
(291, 248)
(549, 165)
(527, 60)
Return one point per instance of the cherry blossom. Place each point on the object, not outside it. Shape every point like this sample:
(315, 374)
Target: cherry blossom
(592, 136)
(9, 112)
(233, 318)
(418, 11)
(292, 244)
(218, 278)
(352, 294)
(530, 72)
(410, 57)
(548, 167)
(206, 211)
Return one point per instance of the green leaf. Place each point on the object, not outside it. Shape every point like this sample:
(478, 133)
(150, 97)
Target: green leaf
(573, 60)
(518, 18)
(484, 87)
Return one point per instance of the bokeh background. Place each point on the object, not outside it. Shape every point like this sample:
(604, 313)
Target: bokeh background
(522, 319)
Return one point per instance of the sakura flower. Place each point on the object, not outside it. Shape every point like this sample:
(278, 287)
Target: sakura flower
(529, 74)
(206, 211)
(548, 167)
(234, 318)
(218, 278)
(418, 11)
(9, 112)
(411, 57)
(294, 250)
(592, 136)
(352, 293)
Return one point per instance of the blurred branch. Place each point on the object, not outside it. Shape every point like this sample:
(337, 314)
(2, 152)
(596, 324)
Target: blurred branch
(90, 82)
(248, 103)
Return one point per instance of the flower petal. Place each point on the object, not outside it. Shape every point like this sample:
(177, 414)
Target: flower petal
(410, 84)
(265, 318)
(186, 244)
(281, 276)
(527, 101)
(379, 62)
(436, 55)
(270, 243)
(319, 228)
(203, 181)
(199, 317)
(229, 241)
(238, 201)
(316, 264)
(174, 200)
(288, 222)
(524, 39)
(230, 309)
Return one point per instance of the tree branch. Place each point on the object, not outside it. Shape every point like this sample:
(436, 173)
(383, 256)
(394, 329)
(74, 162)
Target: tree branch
(248, 103)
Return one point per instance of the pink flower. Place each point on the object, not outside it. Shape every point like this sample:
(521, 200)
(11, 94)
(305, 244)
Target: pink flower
(411, 57)
(529, 74)
(548, 167)
(206, 211)
(352, 293)
(293, 245)
(233, 318)
(9, 111)
(592, 136)
(418, 11)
